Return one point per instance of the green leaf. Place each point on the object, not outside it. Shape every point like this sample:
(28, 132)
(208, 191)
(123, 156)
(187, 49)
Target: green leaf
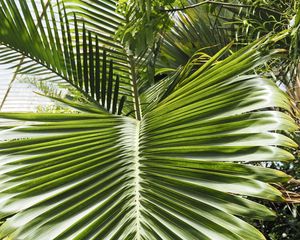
(57, 51)
(182, 172)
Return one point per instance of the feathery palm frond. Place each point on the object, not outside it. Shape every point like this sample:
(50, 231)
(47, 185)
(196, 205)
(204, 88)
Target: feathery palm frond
(74, 55)
(181, 172)
(193, 29)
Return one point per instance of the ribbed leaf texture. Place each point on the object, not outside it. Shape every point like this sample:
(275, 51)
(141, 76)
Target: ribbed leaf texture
(58, 44)
(181, 172)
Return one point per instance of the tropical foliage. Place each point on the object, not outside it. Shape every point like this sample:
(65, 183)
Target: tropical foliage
(142, 157)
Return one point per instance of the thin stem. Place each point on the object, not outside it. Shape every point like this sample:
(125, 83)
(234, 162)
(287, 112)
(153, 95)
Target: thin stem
(10, 85)
(85, 94)
(137, 182)
(19, 65)
(218, 3)
(137, 105)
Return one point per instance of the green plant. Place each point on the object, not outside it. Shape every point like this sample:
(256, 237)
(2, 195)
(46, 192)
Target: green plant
(169, 161)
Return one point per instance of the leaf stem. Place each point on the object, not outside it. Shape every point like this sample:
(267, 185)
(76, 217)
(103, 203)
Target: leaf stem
(137, 181)
(224, 4)
(20, 63)
(85, 94)
(137, 105)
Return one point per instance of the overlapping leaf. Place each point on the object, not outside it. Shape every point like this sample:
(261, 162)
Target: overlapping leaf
(194, 30)
(182, 172)
(66, 49)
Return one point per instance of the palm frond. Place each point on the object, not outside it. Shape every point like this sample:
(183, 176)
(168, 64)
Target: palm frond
(254, 21)
(194, 30)
(181, 172)
(74, 56)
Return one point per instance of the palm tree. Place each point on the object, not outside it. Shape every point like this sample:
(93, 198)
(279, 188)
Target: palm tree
(139, 159)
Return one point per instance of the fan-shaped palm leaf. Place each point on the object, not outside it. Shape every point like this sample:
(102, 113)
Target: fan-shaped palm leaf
(181, 172)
